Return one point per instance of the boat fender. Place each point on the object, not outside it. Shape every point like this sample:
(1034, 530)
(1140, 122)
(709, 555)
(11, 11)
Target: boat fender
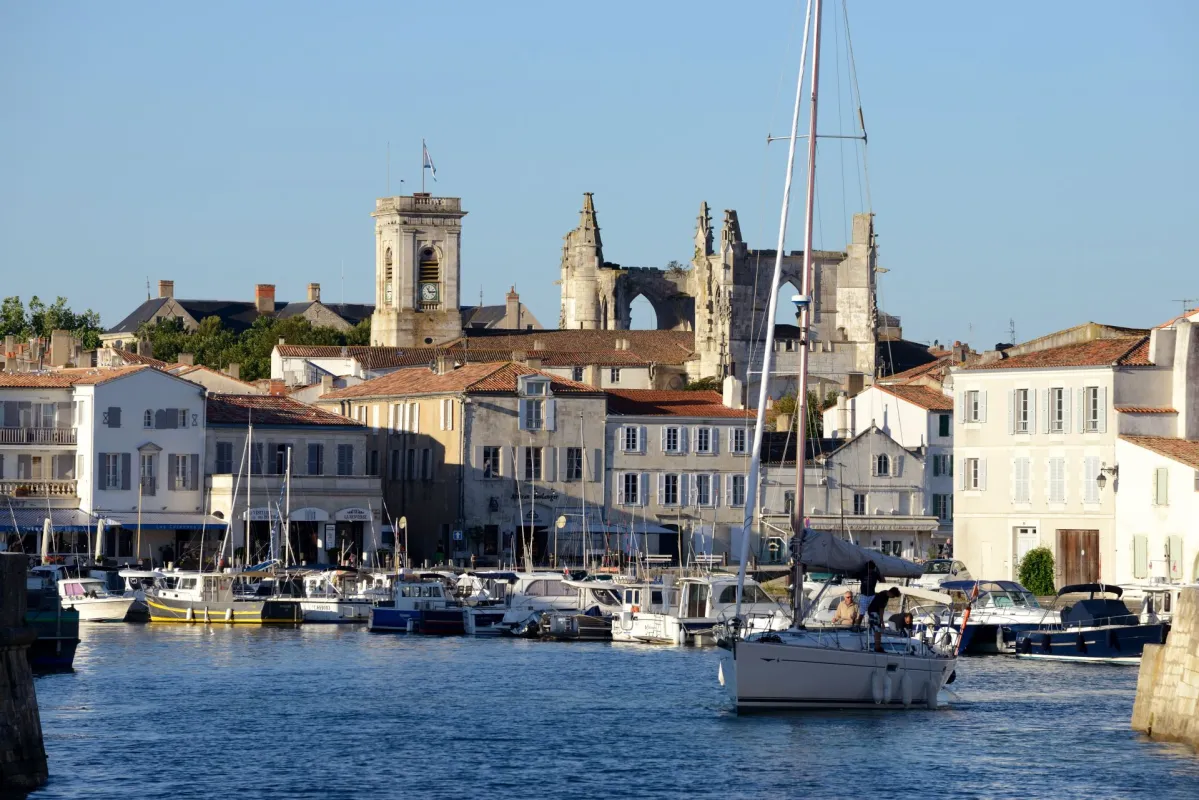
(680, 638)
(999, 646)
(905, 690)
(205, 615)
(1026, 645)
(876, 686)
(228, 615)
(1113, 641)
(191, 616)
(1080, 643)
(1046, 643)
(887, 688)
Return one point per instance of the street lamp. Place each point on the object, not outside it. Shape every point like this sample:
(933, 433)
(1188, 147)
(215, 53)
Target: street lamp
(1104, 471)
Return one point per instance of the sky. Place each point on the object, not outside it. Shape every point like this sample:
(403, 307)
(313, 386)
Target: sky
(1027, 162)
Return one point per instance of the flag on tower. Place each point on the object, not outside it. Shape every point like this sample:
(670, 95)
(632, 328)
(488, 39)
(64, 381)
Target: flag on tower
(428, 160)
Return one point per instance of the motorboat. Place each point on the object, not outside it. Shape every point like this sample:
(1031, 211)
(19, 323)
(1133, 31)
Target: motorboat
(528, 595)
(691, 611)
(134, 583)
(596, 602)
(91, 598)
(210, 597)
(1158, 598)
(334, 596)
(1098, 628)
(938, 571)
(418, 605)
(57, 628)
(999, 612)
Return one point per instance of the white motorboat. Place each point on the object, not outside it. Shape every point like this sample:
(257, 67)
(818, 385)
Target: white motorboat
(334, 596)
(91, 598)
(597, 602)
(528, 595)
(999, 612)
(693, 611)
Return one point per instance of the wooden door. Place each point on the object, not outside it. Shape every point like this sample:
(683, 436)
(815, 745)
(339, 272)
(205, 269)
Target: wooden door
(1078, 556)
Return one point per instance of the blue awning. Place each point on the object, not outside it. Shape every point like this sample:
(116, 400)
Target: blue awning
(32, 520)
(163, 520)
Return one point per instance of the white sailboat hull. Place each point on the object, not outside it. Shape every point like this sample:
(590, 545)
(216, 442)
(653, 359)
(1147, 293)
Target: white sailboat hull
(336, 611)
(833, 670)
(100, 609)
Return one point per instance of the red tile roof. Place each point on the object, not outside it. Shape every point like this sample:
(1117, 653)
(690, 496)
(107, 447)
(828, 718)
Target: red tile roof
(1184, 451)
(1190, 314)
(1122, 350)
(659, 347)
(652, 402)
(65, 378)
(488, 377)
(129, 357)
(923, 396)
(907, 375)
(240, 409)
(1145, 410)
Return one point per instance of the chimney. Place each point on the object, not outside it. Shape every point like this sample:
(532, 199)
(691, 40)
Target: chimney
(314, 293)
(442, 364)
(166, 288)
(277, 388)
(782, 422)
(842, 430)
(1186, 378)
(60, 348)
(326, 384)
(533, 362)
(233, 370)
(538, 344)
(186, 358)
(264, 298)
(519, 355)
(731, 392)
(512, 310)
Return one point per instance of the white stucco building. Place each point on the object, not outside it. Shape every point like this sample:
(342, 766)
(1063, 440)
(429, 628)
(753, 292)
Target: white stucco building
(1157, 511)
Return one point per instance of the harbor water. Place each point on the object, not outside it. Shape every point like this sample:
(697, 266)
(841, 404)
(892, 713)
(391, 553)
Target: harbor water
(193, 712)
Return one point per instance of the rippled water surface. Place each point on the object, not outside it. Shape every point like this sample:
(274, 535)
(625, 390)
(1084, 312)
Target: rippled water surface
(188, 712)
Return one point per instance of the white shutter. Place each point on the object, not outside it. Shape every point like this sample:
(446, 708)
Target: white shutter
(620, 499)
(1013, 476)
(478, 463)
(1090, 490)
(645, 488)
(550, 406)
(1103, 409)
(714, 440)
(549, 464)
(714, 482)
(961, 408)
(684, 479)
(962, 475)
(1066, 410)
(518, 456)
(662, 431)
(441, 414)
(1082, 410)
(1011, 411)
(682, 439)
(897, 466)
(643, 440)
(520, 413)
(982, 474)
(982, 406)
(416, 417)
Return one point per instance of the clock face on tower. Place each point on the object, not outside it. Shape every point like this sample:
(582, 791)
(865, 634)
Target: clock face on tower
(428, 292)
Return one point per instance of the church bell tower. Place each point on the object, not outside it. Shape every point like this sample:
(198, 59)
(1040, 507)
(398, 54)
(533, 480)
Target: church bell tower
(418, 245)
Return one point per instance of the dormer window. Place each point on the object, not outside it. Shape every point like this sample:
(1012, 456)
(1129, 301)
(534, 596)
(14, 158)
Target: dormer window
(537, 388)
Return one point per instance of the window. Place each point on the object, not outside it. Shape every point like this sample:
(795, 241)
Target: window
(974, 477)
(182, 412)
(574, 463)
(426, 464)
(1057, 410)
(976, 406)
(1057, 480)
(361, 414)
(491, 462)
(394, 473)
(179, 474)
(942, 465)
(532, 463)
(630, 437)
(859, 504)
(788, 502)
(316, 459)
(1092, 410)
(737, 495)
(536, 388)
(1161, 486)
(534, 414)
(944, 424)
(882, 464)
(345, 459)
(280, 458)
(630, 489)
(576, 374)
(703, 441)
(670, 489)
(614, 375)
(1023, 411)
(703, 490)
(672, 440)
(1020, 478)
(372, 463)
(112, 470)
(447, 414)
(148, 419)
(943, 506)
(737, 440)
(224, 458)
(149, 484)
(256, 458)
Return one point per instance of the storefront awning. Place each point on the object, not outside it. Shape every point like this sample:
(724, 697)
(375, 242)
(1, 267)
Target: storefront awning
(163, 520)
(308, 515)
(31, 520)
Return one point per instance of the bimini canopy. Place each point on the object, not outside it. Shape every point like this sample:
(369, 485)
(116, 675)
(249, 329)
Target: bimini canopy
(1091, 588)
(823, 550)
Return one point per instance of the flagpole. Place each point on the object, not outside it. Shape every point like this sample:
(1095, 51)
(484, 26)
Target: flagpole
(423, 150)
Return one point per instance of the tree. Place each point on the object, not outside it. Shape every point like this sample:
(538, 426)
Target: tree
(704, 384)
(788, 404)
(43, 320)
(1036, 571)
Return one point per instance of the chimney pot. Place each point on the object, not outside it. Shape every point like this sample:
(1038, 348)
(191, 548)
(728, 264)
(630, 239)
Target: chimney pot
(326, 384)
(314, 293)
(187, 358)
(233, 370)
(264, 298)
(166, 288)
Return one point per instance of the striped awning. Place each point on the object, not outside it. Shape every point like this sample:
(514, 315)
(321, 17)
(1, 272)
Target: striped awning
(163, 520)
(32, 520)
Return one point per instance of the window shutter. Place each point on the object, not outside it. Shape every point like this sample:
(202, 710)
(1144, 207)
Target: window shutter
(549, 464)
(172, 418)
(620, 499)
(520, 412)
(682, 439)
(714, 440)
(100, 471)
(982, 474)
(1082, 410)
(160, 418)
(1174, 554)
(1011, 411)
(597, 463)
(478, 460)
(518, 454)
(662, 431)
(170, 470)
(643, 440)
(962, 477)
(661, 488)
(961, 408)
(1066, 399)
(982, 406)
(1103, 409)
(896, 466)
(1161, 477)
(644, 495)
(684, 479)
(1140, 556)
(550, 406)
(1090, 490)
(714, 482)
(193, 473)
(114, 417)
(415, 418)
(441, 414)
(125, 470)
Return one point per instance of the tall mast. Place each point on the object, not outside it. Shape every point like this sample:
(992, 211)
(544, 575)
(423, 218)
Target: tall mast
(583, 486)
(249, 478)
(755, 458)
(287, 518)
(805, 325)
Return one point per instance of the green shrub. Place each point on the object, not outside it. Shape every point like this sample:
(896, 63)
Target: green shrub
(1036, 571)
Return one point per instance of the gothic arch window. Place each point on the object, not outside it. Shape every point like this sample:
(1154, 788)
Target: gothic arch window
(882, 465)
(388, 277)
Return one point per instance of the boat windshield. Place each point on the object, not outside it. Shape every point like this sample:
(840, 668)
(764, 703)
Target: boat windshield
(752, 594)
(937, 567)
(605, 597)
(1014, 599)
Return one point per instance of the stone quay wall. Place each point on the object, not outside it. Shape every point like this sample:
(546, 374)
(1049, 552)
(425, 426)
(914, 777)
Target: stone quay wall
(1167, 701)
(22, 754)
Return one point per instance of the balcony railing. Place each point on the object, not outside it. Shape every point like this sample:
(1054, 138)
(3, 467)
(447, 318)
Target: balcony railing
(38, 488)
(37, 436)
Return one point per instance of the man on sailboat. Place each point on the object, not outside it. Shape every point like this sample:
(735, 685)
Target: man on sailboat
(869, 577)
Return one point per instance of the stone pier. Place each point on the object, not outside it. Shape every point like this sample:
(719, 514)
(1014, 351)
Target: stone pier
(22, 756)
(1167, 702)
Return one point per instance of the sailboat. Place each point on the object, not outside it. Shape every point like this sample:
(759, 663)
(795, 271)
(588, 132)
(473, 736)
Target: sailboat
(818, 668)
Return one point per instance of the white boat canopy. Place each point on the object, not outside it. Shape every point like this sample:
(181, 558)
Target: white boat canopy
(823, 550)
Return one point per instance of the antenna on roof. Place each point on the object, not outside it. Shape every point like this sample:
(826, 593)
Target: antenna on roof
(480, 295)
(1011, 330)
(1186, 303)
(147, 287)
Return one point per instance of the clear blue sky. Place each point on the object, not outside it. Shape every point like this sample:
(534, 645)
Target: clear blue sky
(1033, 161)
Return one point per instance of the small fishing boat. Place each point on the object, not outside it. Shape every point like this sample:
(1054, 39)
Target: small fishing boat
(210, 597)
(690, 613)
(91, 598)
(1098, 629)
(418, 605)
